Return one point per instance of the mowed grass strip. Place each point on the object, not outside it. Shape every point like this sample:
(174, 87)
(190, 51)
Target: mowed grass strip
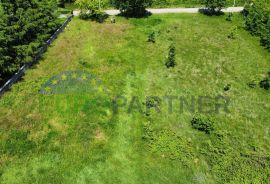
(76, 138)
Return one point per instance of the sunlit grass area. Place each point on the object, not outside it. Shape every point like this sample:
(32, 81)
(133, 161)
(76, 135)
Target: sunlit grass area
(75, 137)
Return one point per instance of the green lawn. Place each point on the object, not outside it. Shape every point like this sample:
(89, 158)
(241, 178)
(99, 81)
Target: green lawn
(76, 138)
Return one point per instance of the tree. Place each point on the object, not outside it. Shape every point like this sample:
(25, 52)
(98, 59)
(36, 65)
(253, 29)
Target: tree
(214, 6)
(24, 27)
(132, 8)
(170, 63)
(91, 9)
(90, 6)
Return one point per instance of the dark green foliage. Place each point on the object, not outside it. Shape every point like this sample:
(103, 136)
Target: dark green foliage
(230, 16)
(227, 87)
(152, 37)
(233, 33)
(265, 82)
(202, 124)
(97, 16)
(24, 27)
(152, 102)
(91, 10)
(257, 21)
(189, 3)
(132, 8)
(214, 6)
(171, 57)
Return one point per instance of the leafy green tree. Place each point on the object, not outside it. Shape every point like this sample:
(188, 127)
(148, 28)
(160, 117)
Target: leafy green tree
(214, 6)
(132, 8)
(91, 9)
(24, 27)
(90, 6)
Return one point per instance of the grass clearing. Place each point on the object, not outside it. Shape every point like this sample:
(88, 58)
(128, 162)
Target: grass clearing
(76, 138)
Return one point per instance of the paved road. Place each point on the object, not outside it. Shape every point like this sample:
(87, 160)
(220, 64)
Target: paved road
(171, 10)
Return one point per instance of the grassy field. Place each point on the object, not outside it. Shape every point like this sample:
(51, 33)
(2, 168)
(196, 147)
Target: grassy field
(74, 137)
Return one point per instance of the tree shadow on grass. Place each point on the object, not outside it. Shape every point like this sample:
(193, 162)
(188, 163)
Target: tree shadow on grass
(135, 13)
(210, 12)
(99, 17)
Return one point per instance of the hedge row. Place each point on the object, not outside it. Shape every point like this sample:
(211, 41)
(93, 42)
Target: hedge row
(24, 27)
(176, 3)
(257, 21)
(159, 3)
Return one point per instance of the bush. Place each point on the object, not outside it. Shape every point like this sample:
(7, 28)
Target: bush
(91, 9)
(99, 16)
(227, 87)
(265, 82)
(171, 57)
(202, 124)
(257, 21)
(233, 33)
(152, 37)
(229, 18)
(132, 8)
(214, 6)
(152, 102)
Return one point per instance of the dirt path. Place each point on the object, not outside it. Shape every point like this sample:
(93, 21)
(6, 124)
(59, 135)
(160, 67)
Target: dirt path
(171, 10)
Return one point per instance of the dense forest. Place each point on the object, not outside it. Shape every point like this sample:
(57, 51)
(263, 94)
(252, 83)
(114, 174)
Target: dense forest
(24, 26)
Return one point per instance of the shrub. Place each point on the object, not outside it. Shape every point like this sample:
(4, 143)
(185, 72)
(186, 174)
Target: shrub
(99, 16)
(152, 37)
(202, 124)
(171, 57)
(265, 83)
(152, 102)
(233, 33)
(91, 9)
(229, 18)
(227, 87)
(214, 6)
(257, 21)
(132, 8)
